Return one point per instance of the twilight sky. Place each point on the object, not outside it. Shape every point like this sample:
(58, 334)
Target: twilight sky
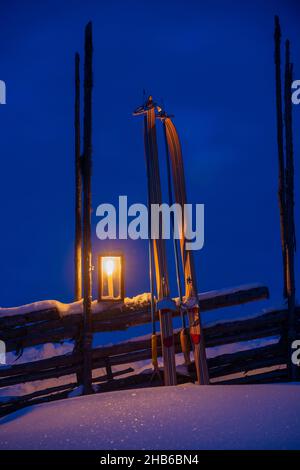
(211, 63)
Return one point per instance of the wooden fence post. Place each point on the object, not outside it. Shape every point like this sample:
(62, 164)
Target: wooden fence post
(78, 189)
(290, 226)
(281, 162)
(87, 248)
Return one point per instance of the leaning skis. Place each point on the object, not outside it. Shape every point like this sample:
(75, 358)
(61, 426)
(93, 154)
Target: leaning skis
(164, 305)
(191, 292)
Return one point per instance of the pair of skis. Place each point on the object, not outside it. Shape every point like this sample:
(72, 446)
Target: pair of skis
(157, 251)
(191, 303)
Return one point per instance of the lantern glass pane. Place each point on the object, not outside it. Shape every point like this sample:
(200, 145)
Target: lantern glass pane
(111, 270)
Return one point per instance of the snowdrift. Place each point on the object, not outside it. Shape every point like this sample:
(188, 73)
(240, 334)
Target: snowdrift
(183, 417)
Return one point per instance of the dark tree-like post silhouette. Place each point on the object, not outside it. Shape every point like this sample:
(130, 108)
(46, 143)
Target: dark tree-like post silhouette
(281, 161)
(290, 228)
(78, 189)
(87, 201)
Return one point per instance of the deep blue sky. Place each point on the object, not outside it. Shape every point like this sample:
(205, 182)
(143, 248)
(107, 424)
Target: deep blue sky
(211, 62)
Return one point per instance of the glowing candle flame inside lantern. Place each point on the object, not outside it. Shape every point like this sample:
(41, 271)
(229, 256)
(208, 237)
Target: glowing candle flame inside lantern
(111, 277)
(109, 266)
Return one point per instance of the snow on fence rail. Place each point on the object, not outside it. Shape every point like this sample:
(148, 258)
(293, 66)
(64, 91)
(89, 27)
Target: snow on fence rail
(35, 327)
(38, 327)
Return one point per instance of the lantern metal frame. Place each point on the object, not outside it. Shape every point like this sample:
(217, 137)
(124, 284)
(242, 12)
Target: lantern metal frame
(111, 254)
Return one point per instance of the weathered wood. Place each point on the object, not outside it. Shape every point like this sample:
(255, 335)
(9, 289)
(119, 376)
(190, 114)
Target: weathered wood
(52, 368)
(268, 324)
(246, 365)
(208, 301)
(187, 256)
(47, 326)
(112, 375)
(64, 328)
(241, 361)
(271, 323)
(290, 223)
(244, 361)
(158, 243)
(263, 351)
(60, 392)
(78, 189)
(60, 388)
(134, 351)
(39, 393)
(43, 364)
(5, 410)
(281, 159)
(10, 321)
(277, 375)
(39, 375)
(130, 352)
(87, 207)
(34, 340)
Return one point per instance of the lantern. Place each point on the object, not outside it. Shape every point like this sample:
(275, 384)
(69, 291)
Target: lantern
(111, 277)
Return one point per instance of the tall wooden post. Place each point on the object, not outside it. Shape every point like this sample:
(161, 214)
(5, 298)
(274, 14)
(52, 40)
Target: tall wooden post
(78, 189)
(87, 248)
(290, 228)
(281, 162)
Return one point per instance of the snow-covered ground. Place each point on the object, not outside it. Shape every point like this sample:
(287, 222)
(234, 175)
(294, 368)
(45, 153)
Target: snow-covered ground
(182, 417)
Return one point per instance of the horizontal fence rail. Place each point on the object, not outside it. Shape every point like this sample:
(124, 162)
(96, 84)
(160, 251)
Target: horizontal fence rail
(257, 364)
(140, 349)
(134, 351)
(40, 327)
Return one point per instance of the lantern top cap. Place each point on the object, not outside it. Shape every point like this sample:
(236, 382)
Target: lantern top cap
(109, 254)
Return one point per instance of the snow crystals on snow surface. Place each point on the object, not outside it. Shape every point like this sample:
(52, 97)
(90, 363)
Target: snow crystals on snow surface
(182, 417)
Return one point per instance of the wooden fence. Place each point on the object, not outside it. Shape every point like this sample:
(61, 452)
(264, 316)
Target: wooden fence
(266, 363)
